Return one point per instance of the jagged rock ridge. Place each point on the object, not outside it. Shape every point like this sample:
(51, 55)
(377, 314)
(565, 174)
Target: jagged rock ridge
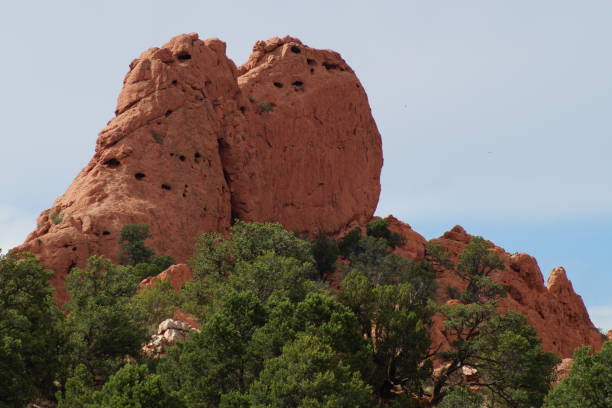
(196, 142)
(554, 310)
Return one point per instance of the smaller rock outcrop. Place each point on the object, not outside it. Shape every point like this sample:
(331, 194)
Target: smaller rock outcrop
(563, 369)
(168, 333)
(177, 275)
(554, 310)
(414, 243)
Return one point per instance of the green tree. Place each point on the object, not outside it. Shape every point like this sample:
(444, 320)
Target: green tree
(262, 258)
(512, 369)
(391, 296)
(395, 321)
(217, 360)
(133, 249)
(102, 322)
(134, 386)
(348, 243)
(325, 252)
(589, 384)
(475, 265)
(78, 389)
(462, 397)
(270, 274)
(309, 374)
(379, 228)
(31, 335)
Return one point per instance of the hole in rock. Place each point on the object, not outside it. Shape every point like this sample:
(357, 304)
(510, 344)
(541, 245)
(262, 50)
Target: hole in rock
(74, 248)
(139, 176)
(168, 112)
(166, 187)
(183, 56)
(105, 233)
(171, 154)
(182, 158)
(243, 109)
(297, 83)
(312, 70)
(197, 156)
(329, 66)
(295, 49)
(174, 82)
(112, 163)
(278, 84)
(357, 85)
(311, 61)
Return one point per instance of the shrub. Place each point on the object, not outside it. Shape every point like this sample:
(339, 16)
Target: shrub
(589, 383)
(133, 249)
(56, 218)
(266, 106)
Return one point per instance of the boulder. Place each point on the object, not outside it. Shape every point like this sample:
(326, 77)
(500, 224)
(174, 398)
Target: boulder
(168, 333)
(177, 275)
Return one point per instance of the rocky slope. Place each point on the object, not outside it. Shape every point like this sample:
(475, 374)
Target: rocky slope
(287, 137)
(554, 310)
(196, 142)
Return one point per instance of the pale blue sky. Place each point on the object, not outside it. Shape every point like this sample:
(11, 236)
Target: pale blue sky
(495, 115)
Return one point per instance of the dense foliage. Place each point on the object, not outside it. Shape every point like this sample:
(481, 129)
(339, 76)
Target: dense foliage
(30, 334)
(589, 384)
(274, 334)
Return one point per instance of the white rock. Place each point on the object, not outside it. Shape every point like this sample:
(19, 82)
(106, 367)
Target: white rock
(172, 324)
(173, 335)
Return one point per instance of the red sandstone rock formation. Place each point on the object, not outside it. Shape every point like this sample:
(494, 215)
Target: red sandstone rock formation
(555, 311)
(195, 142)
(177, 275)
(287, 137)
(414, 244)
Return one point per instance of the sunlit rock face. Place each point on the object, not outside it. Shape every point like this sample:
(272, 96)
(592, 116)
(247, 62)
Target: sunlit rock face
(197, 142)
(554, 310)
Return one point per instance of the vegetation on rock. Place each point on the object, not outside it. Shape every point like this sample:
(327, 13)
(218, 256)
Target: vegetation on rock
(274, 335)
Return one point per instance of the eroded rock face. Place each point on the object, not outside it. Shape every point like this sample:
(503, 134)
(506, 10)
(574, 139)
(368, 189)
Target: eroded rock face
(197, 142)
(317, 161)
(554, 310)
